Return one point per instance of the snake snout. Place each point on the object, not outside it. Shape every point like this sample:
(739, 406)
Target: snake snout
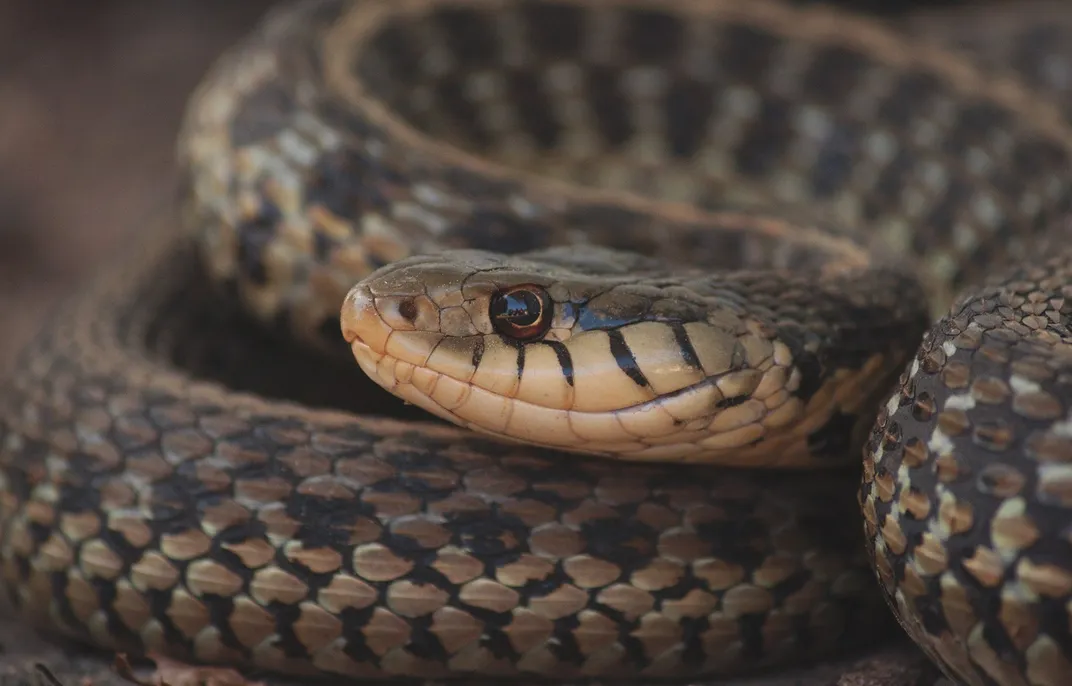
(361, 323)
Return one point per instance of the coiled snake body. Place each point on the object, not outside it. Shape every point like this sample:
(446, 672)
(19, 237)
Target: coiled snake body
(702, 239)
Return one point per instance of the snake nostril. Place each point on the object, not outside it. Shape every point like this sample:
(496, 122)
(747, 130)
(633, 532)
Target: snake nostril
(407, 309)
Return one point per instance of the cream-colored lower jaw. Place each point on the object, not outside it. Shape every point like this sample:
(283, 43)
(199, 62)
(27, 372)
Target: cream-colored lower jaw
(606, 434)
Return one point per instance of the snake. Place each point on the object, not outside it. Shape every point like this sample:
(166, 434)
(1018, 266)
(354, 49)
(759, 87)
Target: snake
(716, 337)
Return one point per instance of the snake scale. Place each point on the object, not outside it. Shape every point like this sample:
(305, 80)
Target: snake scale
(702, 239)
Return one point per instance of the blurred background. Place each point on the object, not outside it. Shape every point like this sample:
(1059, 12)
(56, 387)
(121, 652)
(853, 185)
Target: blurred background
(91, 96)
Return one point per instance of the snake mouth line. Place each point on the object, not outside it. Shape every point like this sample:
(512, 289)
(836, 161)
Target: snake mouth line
(752, 435)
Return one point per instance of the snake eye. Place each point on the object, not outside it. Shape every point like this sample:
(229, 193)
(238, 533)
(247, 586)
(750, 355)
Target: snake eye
(521, 312)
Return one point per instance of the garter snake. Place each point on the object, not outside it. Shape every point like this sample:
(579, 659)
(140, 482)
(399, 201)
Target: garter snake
(700, 239)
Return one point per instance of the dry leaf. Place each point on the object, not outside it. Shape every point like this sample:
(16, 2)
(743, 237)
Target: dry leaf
(171, 672)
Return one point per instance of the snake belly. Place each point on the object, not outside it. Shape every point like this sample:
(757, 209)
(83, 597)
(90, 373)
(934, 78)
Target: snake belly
(802, 185)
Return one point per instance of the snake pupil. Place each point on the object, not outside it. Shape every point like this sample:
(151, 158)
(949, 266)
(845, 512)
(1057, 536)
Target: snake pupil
(522, 309)
(520, 312)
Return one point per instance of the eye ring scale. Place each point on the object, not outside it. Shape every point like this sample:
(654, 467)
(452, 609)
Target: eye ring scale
(523, 313)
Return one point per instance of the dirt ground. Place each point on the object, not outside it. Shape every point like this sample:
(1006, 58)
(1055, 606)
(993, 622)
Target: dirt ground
(92, 97)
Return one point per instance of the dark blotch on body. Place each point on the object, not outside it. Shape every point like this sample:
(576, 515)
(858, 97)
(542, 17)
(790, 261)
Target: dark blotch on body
(254, 237)
(533, 108)
(468, 35)
(264, 114)
(499, 232)
(652, 36)
(689, 104)
(610, 105)
(554, 30)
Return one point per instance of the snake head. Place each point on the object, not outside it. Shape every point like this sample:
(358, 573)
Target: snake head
(587, 350)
